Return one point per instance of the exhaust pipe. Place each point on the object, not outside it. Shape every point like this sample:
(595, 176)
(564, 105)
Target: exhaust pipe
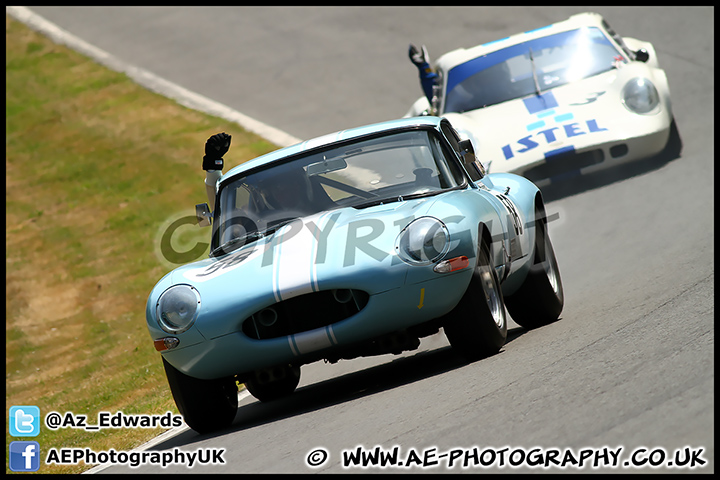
(342, 295)
(267, 317)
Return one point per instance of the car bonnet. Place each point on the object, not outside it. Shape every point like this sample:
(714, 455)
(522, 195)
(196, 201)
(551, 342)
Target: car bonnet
(344, 248)
(571, 116)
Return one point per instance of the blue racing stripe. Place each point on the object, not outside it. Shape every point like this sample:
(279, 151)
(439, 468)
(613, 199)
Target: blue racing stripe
(538, 29)
(564, 176)
(459, 73)
(559, 151)
(494, 41)
(538, 103)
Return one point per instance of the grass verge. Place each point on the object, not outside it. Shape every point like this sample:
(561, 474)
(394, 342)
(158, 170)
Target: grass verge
(96, 167)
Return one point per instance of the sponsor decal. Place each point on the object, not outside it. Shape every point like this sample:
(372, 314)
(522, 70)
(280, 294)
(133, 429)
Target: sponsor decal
(550, 124)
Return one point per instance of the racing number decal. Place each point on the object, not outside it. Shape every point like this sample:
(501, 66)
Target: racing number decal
(513, 213)
(590, 98)
(515, 248)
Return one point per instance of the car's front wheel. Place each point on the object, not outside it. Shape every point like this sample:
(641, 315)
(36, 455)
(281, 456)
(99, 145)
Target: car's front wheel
(674, 145)
(477, 326)
(540, 298)
(273, 383)
(206, 405)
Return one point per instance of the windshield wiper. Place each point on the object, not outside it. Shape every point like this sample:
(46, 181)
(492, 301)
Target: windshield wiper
(396, 198)
(235, 243)
(535, 79)
(250, 237)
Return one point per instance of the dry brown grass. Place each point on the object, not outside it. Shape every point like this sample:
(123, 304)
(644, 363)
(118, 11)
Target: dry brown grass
(95, 167)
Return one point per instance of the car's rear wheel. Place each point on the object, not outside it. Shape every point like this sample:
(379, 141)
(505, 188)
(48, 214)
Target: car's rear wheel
(540, 298)
(477, 326)
(273, 383)
(206, 405)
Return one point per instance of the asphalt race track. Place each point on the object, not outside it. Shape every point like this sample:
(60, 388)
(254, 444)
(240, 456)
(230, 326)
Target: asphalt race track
(629, 365)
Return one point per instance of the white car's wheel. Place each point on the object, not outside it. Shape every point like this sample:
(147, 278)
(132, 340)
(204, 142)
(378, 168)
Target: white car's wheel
(477, 326)
(205, 405)
(674, 145)
(540, 298)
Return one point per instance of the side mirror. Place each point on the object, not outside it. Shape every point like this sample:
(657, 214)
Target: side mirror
(435, 101)
(642, 55)
(473, 166)
(203, 215)
(466, 147)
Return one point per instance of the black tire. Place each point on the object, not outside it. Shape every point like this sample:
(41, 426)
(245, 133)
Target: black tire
(674, 145)
(271, 384)
(206, 405)
(477, 327)
(540, 298)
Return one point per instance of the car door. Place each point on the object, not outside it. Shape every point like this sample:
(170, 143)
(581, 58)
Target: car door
(506, 231)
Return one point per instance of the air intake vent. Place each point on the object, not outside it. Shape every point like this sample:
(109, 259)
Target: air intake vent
(619, 150)
(305, 312)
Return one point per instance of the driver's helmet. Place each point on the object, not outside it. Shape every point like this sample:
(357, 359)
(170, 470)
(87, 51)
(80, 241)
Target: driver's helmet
(285, 187)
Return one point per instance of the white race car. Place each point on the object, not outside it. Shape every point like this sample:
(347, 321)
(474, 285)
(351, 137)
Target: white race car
(573, 97)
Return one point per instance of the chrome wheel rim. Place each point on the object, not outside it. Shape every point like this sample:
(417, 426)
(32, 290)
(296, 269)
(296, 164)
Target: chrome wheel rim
(492, 299)
(551, 268)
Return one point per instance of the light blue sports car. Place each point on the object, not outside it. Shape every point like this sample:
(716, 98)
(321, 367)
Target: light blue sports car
(356, 243)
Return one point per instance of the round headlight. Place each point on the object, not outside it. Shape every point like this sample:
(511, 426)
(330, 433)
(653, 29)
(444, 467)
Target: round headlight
(640, 95)
(177, 308)
(424, 241)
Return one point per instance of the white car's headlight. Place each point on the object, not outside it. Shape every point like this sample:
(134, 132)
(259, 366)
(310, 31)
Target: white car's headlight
(424, 241)
(640, 95)
(177, 308)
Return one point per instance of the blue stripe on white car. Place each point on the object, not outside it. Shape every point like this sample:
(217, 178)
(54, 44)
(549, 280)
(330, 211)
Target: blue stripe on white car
(538, 103)
(544, 110)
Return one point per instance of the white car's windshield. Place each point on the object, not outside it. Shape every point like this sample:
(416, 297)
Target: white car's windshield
(388, 168)
(529, 68)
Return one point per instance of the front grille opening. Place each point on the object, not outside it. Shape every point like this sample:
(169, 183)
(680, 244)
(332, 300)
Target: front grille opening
(618, 150)
(304, 312)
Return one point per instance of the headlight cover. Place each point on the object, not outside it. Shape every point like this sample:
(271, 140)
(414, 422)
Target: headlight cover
(424, 241)
(640, 95)
(177, 308)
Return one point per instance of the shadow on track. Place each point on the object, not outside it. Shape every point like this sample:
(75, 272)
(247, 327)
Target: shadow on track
(575, 185)
(397, 372)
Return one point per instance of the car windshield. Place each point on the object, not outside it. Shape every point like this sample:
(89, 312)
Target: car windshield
(529, 68)
(365, 172)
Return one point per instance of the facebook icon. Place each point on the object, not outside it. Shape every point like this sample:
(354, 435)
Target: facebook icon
(24, 456)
